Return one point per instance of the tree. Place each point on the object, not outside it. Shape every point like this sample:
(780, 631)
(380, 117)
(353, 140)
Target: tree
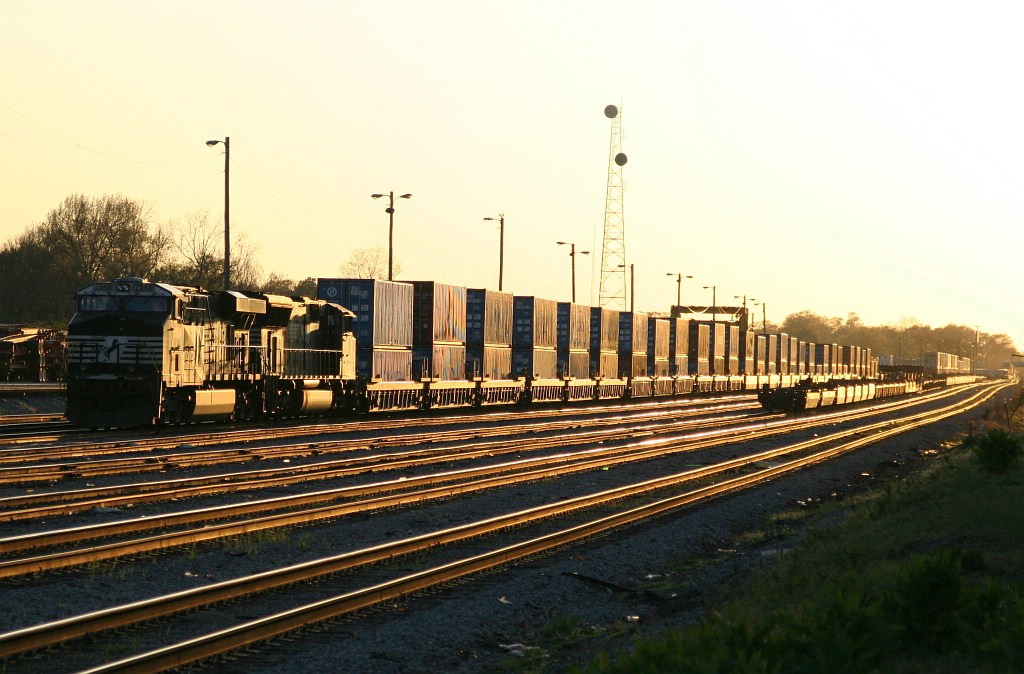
(199, 248)
(81, 241)
(102, 238)
(368, 263)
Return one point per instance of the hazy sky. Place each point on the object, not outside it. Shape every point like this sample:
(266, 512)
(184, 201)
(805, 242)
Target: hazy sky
(836, 157)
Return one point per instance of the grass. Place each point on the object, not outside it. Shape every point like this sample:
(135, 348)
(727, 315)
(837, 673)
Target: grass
(922, 576)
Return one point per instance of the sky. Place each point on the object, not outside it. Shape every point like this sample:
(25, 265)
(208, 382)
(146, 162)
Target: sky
(837, 158)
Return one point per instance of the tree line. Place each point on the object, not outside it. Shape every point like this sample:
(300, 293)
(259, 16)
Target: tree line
(88, 239)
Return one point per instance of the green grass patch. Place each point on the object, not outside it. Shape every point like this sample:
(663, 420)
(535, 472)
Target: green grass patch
(923, 576)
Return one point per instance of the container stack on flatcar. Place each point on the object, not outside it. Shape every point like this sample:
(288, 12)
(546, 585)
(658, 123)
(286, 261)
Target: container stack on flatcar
(488, 334)
(573, 340)
(604, 342)
(633, 345)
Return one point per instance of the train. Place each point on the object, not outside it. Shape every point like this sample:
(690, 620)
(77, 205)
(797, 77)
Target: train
(141, 353)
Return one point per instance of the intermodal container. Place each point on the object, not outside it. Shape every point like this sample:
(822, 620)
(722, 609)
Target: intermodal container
(575, 364)
(823, 358)
(604, 330)
(383, 309)
(488, 318)
(573, 327)
(747, 352)
(700, 348)
(658, 338)
(771, 365)
(632, 333)
(632, 344)
(794, 355)
(438, 313)
(383, 364)
(678, 347)
(538, 362)
(489, 362)
(761, 355)
(535, 323)
(604, 364)
(439, 361)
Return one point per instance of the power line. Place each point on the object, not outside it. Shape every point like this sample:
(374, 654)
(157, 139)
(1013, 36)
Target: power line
(89, 149)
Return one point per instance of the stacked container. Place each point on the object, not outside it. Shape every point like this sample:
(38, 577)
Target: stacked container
(573, 340)
(382, 326)
(604, 342)
(534, 337)
(700, 348)
(771, 365)
(439, 331)
(823, 358)
(678, 347)
(632, 344)
(732, 349)
(781, 349)
(719, 345)
(488, 334)
(747, 352)
(761, 355)
(794, 355)
(658, 338)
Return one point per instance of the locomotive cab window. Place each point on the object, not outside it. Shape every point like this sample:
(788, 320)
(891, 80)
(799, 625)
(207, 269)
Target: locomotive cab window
(96, 303)
(154, 305)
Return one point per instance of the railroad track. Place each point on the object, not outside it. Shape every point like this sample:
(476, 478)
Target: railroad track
(376, 496)
(148, 462)
(199, 646)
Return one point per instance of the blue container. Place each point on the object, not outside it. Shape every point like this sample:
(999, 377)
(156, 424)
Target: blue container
(383, 309)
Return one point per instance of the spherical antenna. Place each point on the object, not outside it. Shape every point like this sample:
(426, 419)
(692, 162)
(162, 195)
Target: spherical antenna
(620, 159)
(611, 112)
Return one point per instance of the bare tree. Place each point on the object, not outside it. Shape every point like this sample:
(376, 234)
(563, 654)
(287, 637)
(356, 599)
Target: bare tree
(198, 243)
(368, 263)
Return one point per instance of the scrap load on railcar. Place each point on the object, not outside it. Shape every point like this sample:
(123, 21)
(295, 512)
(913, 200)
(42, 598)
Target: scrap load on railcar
(31, 354)
(141, 353)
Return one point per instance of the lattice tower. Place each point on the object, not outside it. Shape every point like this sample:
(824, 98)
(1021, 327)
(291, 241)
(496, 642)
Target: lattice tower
(613, 250)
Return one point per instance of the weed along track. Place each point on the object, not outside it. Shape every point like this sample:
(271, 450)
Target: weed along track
(332, 552)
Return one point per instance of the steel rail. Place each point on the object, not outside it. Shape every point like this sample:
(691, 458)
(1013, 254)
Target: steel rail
(257, 630)
(147, 463)
(62, 503)
(486, 477)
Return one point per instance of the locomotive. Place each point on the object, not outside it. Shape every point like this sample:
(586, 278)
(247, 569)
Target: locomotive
(142, 353)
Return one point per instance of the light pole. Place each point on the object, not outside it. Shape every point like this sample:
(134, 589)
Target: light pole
(679, 286)
(752, 299)
(764, 319)
(714, 302)
(227, 210)
(572, 258)
(632, 287)
(501, 247)
(390, 210)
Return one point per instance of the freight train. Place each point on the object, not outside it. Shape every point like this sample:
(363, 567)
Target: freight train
(141, 353)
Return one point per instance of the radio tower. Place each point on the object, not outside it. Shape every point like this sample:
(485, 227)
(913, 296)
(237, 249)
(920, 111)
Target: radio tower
(613, 252)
